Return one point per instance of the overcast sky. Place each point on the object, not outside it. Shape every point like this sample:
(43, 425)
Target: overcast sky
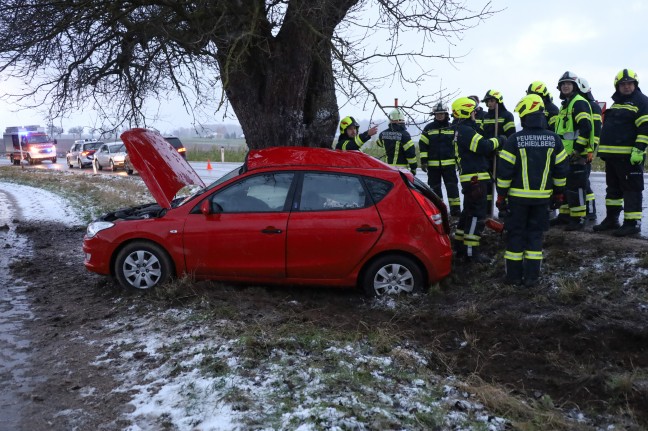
(525, 42)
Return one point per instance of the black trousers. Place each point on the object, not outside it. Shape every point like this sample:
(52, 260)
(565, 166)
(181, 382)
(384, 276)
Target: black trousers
(449, 176)
(525, 225)
(625, 185)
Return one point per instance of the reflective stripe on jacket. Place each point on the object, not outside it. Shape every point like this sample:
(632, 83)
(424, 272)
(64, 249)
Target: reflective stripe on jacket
(626, 125)
(532, 165)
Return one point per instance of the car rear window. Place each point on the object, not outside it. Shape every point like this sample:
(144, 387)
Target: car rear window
(93, 146)
(175, 142)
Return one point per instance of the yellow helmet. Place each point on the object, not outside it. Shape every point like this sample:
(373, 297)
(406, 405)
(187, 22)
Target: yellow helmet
(493, 94)
(529, 104)
(539, 88)
(626, 75)
(346, 122)
(463, 107)
(396, 116)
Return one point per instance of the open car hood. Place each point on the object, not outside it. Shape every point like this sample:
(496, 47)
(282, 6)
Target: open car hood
(161, 167)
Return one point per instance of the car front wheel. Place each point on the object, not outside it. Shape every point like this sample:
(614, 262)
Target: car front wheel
(98, 165)
(392, 275)
(112, 166)
(142, 265)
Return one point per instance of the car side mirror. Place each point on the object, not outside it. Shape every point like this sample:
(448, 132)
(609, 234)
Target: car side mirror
(205, 207)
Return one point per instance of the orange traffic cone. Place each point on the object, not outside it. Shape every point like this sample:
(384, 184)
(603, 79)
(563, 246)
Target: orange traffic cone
(209, 168)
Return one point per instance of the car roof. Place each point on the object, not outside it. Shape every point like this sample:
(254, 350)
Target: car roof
(313, 157)
(161, 167)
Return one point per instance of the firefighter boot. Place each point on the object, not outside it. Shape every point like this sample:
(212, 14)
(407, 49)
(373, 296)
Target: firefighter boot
(575, 223)
(561, 219)
(459, 249)
(630, 227)
(513, 272)
(531, 272)
(610, 222)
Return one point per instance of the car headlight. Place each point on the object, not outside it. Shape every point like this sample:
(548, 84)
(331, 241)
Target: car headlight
(97, 226)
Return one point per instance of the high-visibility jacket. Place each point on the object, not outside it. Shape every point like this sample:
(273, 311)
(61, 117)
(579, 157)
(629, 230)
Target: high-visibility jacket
(574, 124)
(346, 143)
(532, 164)
(399, 147)
(473, 151)
(436, 147)
(625, 127)
(505, 123)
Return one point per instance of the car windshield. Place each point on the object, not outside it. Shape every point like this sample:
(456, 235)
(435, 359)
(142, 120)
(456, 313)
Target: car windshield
(93, 146)
(234, 173)
(117, 148)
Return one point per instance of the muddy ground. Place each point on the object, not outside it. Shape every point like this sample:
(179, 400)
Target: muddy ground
(579, 339)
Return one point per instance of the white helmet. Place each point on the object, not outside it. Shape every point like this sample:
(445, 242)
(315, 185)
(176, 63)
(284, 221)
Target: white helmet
(583, 85)
(396, 116)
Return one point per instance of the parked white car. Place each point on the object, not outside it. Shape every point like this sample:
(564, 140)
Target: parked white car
(110, 155)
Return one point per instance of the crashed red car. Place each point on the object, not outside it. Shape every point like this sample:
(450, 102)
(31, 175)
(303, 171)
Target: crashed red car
(288, 215)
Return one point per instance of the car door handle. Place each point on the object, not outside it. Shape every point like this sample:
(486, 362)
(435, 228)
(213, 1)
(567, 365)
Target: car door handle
(271, 230)
(366, 228)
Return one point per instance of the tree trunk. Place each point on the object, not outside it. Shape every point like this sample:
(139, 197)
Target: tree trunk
(289, 78)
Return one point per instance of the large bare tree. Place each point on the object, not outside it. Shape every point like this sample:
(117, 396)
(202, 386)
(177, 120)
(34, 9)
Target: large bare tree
(276, 63)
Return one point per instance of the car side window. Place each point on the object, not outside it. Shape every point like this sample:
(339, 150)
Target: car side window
(259, 193)
(324, 191)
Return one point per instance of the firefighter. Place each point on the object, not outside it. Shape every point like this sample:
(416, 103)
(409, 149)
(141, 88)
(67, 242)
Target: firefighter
(597, 113)
(623, 147)
(551, 110)
(436, 150)
(349, 138)
(505, 121)
(397, 142)
(505, 125)
(474, 153)
(530, 178)
(575, 128)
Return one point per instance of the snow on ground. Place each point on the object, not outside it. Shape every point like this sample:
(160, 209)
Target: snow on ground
(34, 204)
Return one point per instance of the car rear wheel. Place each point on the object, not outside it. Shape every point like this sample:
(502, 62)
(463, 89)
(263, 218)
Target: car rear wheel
(142, 265)
(392, 275)
(69, 163)
(80, 163)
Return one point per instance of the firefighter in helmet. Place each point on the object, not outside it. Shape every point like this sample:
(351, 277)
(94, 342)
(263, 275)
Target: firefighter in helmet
(551, 110)
(597, 118)
(397, 142)
(436, 150)
(575, 128)
(624, 137)
(474, 154)
(530, 176)
(497, 121)
(349, 138)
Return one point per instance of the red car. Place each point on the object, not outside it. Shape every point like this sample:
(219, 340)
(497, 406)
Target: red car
(288, 215)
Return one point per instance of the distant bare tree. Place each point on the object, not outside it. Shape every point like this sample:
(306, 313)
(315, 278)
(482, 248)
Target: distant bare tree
(78, 130)
(278, 63)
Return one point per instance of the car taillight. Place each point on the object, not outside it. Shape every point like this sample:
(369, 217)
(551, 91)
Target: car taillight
(431, 211)
(182, 149)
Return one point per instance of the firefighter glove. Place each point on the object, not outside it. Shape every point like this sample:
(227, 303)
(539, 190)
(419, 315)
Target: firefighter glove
(557, 201)
(476, 191)
(636, 156)
(502, 140)
(502, 205)
(413, 170)
(424, 167)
